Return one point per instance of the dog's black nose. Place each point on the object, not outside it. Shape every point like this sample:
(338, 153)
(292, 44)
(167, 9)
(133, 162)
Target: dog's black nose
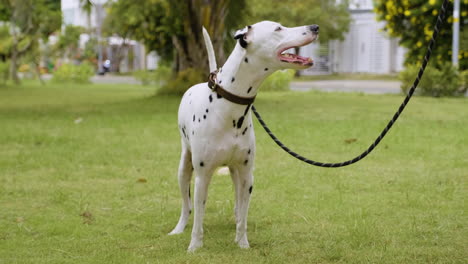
(314, 28)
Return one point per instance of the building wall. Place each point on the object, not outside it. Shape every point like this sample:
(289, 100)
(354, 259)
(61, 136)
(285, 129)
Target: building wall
(365, 48)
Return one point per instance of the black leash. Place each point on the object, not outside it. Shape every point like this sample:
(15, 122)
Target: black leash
(389, 125)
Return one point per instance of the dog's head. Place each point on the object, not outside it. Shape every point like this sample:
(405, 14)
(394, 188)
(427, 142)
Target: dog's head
(269, 41)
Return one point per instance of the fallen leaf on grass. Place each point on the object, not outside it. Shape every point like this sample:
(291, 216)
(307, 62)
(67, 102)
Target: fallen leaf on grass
(87, 217)
(142, 180)
(19, 219)
(350, 140)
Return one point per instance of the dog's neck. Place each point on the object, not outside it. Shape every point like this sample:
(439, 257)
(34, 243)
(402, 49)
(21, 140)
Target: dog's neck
(242, 75)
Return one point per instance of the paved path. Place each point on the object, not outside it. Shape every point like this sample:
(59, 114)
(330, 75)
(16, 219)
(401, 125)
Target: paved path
(371, 87)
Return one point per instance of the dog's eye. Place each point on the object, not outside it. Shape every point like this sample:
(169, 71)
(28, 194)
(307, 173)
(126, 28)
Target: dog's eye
(278, 29)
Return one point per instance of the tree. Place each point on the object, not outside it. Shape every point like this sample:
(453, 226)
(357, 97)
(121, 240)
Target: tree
(68, 41)
(28, 21)
(172, 28)
(413, 20)
(332, 17)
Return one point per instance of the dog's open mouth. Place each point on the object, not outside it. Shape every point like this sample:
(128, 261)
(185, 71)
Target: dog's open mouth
(293, 58)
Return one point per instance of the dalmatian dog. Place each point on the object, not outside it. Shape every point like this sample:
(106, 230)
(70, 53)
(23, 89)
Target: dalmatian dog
(217, 132)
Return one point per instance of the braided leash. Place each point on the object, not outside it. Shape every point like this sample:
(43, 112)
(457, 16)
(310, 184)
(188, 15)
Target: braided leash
(389, 125)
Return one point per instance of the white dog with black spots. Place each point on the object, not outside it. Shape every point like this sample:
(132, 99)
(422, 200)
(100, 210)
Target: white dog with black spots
(216, 132)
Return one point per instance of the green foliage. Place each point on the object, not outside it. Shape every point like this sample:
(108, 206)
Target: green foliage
(332, 18)
(158, 77)
(68, 42)
(5, 41)
(412, 21)
(278, 81)
(446, 81)
(183, 80)
(31, 20)
(70, 73)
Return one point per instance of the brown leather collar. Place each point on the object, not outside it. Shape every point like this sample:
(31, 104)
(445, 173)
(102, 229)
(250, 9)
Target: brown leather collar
(225, 94)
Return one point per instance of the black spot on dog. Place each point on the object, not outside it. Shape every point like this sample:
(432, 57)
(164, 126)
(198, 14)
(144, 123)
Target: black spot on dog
(189, 193)
(304, 33)
(233, 79)
(246, 60)
(234, 123)
(250, 89)
(266, 69)
(211, 98)
(220, 81)
(248, 152)
(183, 131)
(193, 118)
(204, 116)
(193, 132)
(246, 161)
(204, 202)
(206, 110)
(199, 120)
(190, 212)
(250, 189)
(249, 27)
(189, 94)
(240, 122)
(202, 164)
(245, 130)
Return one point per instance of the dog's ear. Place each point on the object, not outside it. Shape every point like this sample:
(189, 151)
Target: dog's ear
(243, 36)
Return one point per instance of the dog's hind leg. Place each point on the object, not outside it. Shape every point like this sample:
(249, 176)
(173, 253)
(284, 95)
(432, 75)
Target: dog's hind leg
(185, 175)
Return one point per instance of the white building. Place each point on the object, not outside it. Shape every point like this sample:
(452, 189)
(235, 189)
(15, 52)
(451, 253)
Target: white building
(365, 48)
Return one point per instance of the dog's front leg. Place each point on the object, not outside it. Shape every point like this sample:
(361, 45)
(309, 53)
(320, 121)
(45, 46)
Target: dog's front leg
(202, 180)
(235, 181)
(245, 190)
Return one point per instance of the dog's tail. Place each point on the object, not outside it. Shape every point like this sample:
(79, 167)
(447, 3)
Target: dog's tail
(210, 50)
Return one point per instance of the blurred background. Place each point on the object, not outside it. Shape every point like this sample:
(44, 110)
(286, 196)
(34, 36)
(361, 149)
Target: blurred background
(152, 40)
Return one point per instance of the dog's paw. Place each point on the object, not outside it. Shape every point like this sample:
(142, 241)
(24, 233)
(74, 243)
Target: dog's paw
(175, 232)
(179, 229)
(194, 245)
(243, 243)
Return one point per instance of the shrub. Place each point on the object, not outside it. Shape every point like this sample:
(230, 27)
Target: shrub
(278, 81)
(4, 68)
(143, 76)
(159, 77)
(74, 73)
(446, 81)
(184, 80)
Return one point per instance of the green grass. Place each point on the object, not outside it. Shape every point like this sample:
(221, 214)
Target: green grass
(350, 76)
(104, 190)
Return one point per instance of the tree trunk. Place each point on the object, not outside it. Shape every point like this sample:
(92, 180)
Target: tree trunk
(14, 62)
(191, 50)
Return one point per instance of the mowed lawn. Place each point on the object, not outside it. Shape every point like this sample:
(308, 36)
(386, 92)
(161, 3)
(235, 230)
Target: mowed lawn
(88, 175)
